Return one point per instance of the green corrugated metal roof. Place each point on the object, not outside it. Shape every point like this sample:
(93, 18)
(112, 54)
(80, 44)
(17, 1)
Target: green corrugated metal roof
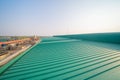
(3, 40)
(67, 59)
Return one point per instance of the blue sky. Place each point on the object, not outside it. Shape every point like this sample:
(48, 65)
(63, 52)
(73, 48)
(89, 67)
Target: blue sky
(54, 17)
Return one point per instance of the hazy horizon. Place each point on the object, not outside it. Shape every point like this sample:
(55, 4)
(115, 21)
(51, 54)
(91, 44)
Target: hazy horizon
(58, 17)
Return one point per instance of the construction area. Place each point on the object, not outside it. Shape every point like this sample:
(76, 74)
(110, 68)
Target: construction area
(13, 47)
(68, 57)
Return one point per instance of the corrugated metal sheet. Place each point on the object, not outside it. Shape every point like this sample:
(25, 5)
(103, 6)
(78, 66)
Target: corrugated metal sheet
(67, 59)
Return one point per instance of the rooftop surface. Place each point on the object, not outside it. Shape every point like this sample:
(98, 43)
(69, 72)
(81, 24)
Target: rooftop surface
(58, 58)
